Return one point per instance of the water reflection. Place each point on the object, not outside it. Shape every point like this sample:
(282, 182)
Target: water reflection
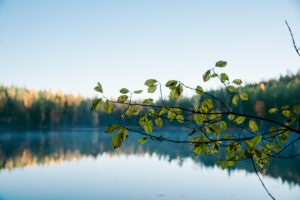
(20, 149)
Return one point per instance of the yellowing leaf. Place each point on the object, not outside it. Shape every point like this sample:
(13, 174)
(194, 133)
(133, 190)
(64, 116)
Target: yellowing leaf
(273, 110)
(180, 118)
(296, 109)
(159, 122)
(239, 120)
(244, 96)
(223, 125)
(231, 88)
(112, 128)
(142, 140)
(122, 98)
(231, 117)
(108, 107)
(287, 113)
(235, 100)
(253, 126)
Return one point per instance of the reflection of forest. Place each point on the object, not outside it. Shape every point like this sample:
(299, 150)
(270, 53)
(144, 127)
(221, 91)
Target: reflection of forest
(42, 148)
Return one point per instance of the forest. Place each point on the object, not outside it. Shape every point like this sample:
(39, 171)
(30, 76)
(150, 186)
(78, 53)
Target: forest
(21, 108)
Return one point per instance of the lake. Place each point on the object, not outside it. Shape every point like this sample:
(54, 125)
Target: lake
(81, 164)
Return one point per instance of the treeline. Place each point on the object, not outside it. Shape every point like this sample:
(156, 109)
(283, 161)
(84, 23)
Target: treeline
(23, 108)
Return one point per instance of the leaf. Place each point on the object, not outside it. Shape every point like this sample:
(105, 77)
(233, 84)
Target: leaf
(206, 75)
(296, 109)
(120, 137)
(197, 150)
(256, 139)
(95, 103)
(253, 126)
(244, 96)
(159, 122)
(237, 81)
(231, 88)
(124, 91)
(198, 119)
(98, 88)
(138, 91)
(122, 98)
(223, 125)
(171, 84)
(231, 117)
(108, 107)
(285, 107)
(152, 88)
(176, 92)
(224, 165)
(142, 140)
(180, 118)
(235, 100)
(239, 120)
(273, 110)
(136, 109)
(148, 126)
(99, 105)
(150, 82)
(199, 90)
(221, 64)
(148, 101)
(287, 113)
(249, 144)
(129, 112)
(112, 128)
(224, 77)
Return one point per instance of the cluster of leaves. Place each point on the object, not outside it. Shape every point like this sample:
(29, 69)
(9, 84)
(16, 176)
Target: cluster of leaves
(212, 128)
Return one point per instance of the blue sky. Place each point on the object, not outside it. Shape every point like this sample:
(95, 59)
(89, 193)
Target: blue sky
(69, 45)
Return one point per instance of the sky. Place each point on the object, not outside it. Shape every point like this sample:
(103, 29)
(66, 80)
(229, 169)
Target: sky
(70, 45)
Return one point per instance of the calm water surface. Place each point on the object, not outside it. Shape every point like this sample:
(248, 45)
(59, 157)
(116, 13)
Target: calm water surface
(81, 164)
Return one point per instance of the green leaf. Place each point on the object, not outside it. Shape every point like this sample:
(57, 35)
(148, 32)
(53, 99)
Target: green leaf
(231, 117)
(108, 107)
(287, 113)
(180, 118)
(237, 81)
(273, 110)
(221, 64)
(124, 91)
(239, 120)
(256, 139)
(231, 88)
(98, 88)
(148, 126)
(138, 91)
(171, 84)
(112, 128)
(95, 103)
(159, 122)
(129, 112)
(142, 140)
(235, 100)
(198, 119)
(136, 110)
(99, 105)
(176, 92)
(150, 82)
(285, 107)
(206, 75)
(198, 150)
(253, 126)
(199, 90)
(296, 109)
(120, 137)
(148, 101)
(122, 98)
(224, 77)
(224, 165)
(249, 144)
(223, 125)
(244, 96)
(152, 88)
